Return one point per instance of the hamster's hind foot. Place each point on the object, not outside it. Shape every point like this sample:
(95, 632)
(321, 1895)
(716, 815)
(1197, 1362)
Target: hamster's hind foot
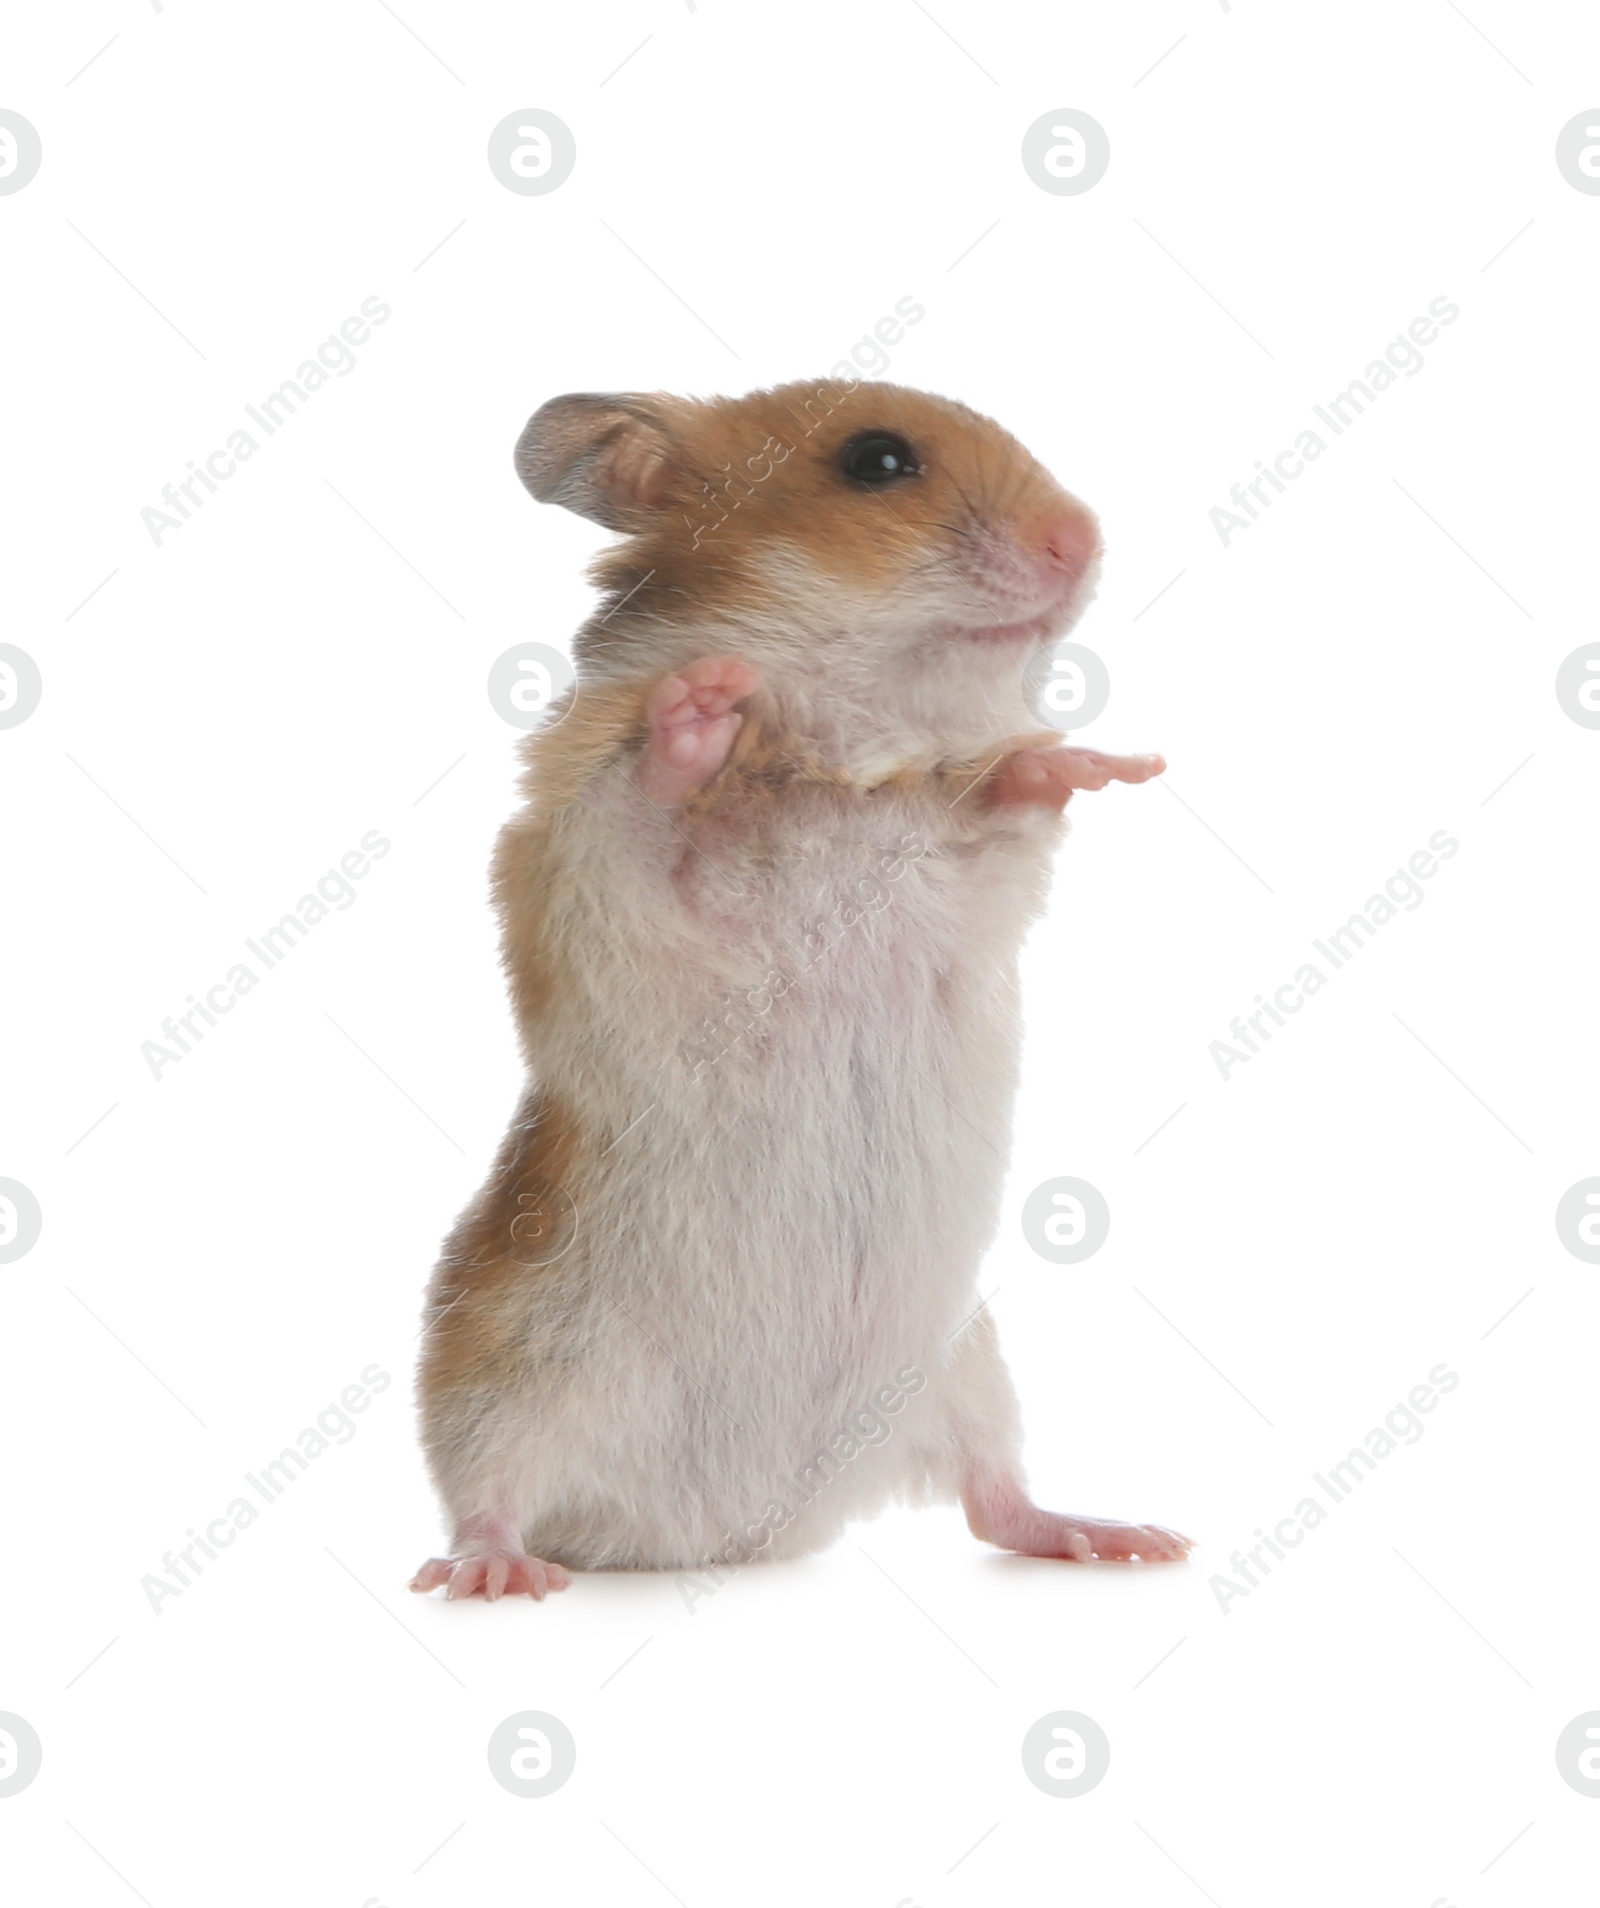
(999, 1512)
(491, 1574)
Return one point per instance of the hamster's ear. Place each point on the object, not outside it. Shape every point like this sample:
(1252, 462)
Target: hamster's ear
(604, 454)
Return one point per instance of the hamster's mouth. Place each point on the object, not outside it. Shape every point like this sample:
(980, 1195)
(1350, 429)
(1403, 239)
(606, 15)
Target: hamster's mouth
(1007, 619)
(998, 634)
(996, 623)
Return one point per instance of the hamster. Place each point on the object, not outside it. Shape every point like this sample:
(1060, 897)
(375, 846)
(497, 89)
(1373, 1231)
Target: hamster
(761, 917)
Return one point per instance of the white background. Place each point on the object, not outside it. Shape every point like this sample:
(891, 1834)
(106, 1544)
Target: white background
(227, 714)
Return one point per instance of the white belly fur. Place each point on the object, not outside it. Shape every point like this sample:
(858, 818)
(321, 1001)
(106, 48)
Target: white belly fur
(789, 1229)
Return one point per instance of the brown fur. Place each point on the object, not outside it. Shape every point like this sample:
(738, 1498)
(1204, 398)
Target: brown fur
(521, 1219)
(721, 462)
(516, 1221)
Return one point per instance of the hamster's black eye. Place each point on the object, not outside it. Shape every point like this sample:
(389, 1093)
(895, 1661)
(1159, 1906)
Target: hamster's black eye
(878, 457)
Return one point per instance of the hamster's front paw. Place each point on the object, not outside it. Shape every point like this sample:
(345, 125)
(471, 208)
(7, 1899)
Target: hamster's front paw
(692, 724)
(1046, 778)
(491, 1574)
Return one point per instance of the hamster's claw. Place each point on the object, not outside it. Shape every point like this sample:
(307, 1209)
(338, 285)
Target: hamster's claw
(491, 1575)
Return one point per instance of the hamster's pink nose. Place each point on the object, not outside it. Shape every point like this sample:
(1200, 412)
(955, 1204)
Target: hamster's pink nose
(1063, 543)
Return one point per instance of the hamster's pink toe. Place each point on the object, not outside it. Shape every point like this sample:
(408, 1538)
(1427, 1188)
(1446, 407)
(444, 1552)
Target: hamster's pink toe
(999, 1512)
(692, 724)
(491, 1575)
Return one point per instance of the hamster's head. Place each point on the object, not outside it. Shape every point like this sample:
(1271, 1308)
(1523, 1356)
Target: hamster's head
(889, 560)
